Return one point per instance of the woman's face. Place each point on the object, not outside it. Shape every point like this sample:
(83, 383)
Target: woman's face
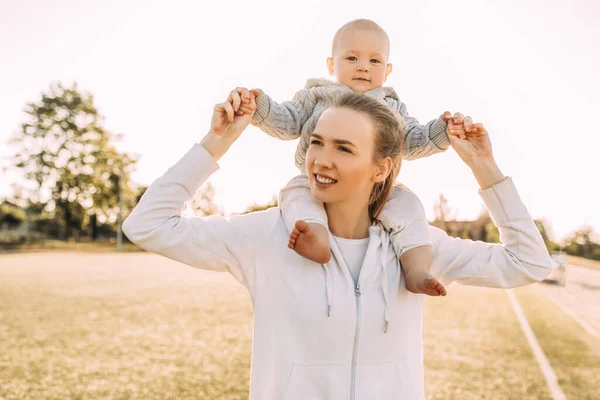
(339, 161)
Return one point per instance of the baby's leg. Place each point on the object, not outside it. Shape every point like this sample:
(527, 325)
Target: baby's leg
(306, 220)
(416, 263)
(404, 216)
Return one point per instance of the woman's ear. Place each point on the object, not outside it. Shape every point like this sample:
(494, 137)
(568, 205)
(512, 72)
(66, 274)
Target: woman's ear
(383, 170)
(330, 65)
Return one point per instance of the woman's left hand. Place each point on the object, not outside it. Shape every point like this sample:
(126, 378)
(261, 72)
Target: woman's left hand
(476, 146)
(476, 151)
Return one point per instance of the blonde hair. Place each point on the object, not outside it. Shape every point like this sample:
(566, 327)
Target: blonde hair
(359, 24)
(388, 142)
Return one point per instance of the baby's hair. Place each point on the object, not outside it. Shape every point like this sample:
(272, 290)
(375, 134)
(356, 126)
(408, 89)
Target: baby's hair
(359, 24)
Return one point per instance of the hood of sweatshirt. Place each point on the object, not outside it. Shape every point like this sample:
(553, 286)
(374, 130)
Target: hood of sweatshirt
(378, 238)
(379, 93)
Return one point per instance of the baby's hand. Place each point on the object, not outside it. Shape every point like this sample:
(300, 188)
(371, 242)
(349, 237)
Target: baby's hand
(239, 98)
(458, 125)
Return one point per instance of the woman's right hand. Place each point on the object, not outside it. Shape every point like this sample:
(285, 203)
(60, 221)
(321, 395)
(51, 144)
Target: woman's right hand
(226, 120)
(240, 100)
(226, 126)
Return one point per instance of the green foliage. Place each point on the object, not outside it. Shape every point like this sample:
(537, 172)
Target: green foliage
(546, 231)
(64, 150)
(11, 214)
(492, 234)
(203, 203)
(583, 243)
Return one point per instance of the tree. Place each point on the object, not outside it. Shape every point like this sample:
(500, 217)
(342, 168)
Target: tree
(261, 207)
(491, 233)
(64, 150)
(545, 229)
(111, 181)
(203, 204)
(140, 192)
(442, 211)
(583, 243)
(11, 214)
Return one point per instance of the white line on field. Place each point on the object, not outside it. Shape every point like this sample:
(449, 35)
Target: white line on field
(549, 375)
(572, 314)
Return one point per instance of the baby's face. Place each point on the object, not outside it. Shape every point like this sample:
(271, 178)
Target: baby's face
(360, 60)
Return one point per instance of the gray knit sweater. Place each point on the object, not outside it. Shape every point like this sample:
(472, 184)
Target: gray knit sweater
(297, 118)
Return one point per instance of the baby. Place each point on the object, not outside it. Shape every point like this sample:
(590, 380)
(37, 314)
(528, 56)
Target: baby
(359, 63)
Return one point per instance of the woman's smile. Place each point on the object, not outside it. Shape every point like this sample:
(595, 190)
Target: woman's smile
(323, 181)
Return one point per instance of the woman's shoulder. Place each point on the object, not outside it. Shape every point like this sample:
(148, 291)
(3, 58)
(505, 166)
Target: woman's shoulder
(269, 214)
(401, 193)
(257, 224)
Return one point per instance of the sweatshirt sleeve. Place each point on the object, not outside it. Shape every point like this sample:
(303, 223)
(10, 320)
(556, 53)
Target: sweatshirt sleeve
(520, 259)
(404, 216)
(421, 140)
(284, 120)
(213, 243)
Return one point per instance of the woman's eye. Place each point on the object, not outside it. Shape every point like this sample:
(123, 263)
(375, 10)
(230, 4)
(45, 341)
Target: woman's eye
(351, 58)
(315, 142)
(342, 148)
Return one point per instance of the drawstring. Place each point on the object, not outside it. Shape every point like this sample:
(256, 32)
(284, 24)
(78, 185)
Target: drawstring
(385, 242)
(328, 288)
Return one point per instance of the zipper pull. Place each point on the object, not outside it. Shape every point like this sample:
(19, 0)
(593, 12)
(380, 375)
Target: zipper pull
(357, 290)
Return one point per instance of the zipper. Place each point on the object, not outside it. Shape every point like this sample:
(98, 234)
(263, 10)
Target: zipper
(357, 294)
(355, 351)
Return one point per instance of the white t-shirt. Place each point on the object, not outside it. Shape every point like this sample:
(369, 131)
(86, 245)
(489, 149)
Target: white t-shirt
(354, 251)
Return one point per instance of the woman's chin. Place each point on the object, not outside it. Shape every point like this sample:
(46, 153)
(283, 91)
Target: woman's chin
(320, 195)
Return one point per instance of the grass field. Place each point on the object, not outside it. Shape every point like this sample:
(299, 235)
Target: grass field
(573, 353)
(138, 326)
(584, 262)
(62, 245)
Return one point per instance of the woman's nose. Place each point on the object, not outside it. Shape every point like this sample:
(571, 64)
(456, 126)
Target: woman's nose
(323, 160)
(323, 163)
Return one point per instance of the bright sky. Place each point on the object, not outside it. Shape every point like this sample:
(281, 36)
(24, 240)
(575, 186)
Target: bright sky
(527, 70)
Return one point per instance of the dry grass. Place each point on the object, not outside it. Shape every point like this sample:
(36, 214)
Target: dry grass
(573, 353)
(61, 245)
(475, 349)
(113, 326)
(138, 326)
(584, 262)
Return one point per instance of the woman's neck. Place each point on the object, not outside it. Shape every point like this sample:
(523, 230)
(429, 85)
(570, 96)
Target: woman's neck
(348, 221)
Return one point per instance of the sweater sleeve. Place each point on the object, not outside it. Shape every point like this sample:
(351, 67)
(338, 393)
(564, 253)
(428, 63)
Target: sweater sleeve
(214, 243)
(520, 259)
(284, 120)
(421, 140)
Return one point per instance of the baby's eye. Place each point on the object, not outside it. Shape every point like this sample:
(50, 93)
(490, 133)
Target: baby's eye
(375, 61)
(351, 58)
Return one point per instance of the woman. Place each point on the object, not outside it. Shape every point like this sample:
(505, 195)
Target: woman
(317, 334)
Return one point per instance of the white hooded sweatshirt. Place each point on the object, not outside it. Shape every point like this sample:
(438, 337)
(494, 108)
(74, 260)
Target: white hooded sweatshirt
(317, 335)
